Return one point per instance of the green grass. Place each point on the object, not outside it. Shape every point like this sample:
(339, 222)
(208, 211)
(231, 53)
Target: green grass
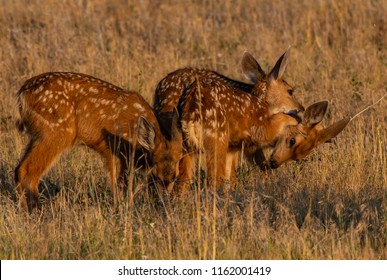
(332, 206)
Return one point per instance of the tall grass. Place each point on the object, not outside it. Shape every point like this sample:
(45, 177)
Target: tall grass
(332, 206)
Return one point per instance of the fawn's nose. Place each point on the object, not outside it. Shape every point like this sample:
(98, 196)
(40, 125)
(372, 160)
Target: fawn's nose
(167, 176)
(273, 164)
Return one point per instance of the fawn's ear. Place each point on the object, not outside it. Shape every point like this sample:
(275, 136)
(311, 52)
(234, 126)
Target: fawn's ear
(314, 113)
(145, 134)
(331, 131)
(279, 68)
(251, 68)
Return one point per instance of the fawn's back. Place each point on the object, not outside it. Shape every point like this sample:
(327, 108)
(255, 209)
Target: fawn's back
(82, 107)
(171, 87)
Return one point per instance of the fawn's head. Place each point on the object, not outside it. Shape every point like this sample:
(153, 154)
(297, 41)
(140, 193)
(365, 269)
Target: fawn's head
(166, 149)
(300, 139)
(273, 90)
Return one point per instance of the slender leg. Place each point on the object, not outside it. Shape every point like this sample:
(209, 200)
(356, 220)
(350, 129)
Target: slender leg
(39, 156)
(114, 166)
(231, 166)
(216, 160)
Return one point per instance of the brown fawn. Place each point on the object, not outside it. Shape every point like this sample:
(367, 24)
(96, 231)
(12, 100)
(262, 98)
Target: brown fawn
(60, 110)
(218, 115)
(297, 141)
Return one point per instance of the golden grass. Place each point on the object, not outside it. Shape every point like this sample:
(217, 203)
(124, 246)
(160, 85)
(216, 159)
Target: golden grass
(331, 207)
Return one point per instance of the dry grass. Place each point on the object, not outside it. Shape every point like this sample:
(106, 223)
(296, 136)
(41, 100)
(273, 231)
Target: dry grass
(331, 207)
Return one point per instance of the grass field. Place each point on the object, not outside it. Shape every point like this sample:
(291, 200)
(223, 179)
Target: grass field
(332, 206)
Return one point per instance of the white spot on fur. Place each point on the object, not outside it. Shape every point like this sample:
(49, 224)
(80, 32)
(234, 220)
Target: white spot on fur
(138, 107)
(93, 89)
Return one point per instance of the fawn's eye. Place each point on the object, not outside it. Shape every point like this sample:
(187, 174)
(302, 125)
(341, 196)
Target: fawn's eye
(290, 91)
(292, 141)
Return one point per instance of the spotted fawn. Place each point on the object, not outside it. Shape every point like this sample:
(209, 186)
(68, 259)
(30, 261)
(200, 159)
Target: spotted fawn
(219, 115)
(63, 110)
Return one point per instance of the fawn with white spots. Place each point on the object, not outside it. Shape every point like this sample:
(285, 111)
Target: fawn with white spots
(298, 141)
(62, 110)
(219, 115)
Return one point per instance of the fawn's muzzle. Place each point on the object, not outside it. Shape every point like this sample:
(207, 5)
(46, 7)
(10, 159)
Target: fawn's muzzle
(273, 164)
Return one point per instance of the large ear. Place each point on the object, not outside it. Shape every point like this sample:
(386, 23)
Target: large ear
(331, 131)
(251, 68)
(314, 113)
(279, 68)
(145, 134)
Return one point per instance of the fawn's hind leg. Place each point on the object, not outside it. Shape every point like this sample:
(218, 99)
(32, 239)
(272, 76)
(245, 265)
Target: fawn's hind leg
(231, 167)
(40, 154)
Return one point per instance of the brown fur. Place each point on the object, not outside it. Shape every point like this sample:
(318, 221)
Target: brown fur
(218, 115)
(62, 110)
(219, 130)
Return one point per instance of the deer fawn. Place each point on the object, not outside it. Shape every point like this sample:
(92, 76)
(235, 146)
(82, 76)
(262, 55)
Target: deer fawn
(218, 115)
(297, 141)
(62, 110)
